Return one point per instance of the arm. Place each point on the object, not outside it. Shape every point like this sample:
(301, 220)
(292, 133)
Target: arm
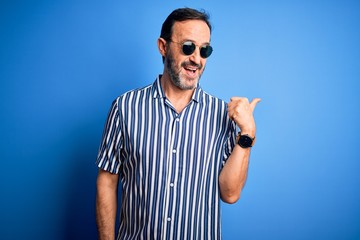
(233, 176)
(106, 204)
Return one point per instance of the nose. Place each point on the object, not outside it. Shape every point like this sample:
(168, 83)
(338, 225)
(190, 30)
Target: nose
(195, 56)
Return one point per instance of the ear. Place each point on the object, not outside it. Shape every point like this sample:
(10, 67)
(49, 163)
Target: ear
(162, 46)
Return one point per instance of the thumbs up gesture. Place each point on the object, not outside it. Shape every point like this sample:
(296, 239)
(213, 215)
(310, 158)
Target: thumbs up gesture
(241, 111)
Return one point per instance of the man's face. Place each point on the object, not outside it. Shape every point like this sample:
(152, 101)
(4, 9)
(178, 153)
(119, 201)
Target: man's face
(185, 71)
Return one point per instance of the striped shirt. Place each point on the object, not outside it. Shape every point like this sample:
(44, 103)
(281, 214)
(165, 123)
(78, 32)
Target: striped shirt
(168, 163)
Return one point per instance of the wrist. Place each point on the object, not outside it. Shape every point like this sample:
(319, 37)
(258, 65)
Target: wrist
(249, 129)
(245, 140)
(250, 132)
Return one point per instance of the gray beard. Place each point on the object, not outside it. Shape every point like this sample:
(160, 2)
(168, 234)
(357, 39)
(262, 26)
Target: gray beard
(175, 76)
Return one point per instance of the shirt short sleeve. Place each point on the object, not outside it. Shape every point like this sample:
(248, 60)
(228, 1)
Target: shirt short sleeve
(230, 142)
(109, 155)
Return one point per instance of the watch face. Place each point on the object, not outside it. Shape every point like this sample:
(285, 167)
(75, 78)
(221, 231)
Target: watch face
(245, 141)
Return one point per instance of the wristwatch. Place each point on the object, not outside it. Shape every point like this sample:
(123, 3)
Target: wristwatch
(245, 141)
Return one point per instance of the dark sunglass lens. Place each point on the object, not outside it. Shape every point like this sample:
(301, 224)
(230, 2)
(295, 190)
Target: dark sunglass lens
(206, 51)
(188, 48)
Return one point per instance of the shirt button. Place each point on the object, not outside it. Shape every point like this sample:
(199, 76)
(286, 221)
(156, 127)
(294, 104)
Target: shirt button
(169, 219)
(174, 150)
(177, 119)
(171, 184)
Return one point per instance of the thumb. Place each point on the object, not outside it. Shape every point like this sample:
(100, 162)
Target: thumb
(254, 102)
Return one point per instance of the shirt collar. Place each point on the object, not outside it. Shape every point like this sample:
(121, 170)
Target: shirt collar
(158, 92)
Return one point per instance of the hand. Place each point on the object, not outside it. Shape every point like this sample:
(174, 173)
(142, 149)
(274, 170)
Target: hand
(241, 111)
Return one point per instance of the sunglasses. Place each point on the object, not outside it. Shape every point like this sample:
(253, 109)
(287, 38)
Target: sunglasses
(188, 48)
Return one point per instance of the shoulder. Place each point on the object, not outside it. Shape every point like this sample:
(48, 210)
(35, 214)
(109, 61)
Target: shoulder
(208, 98)
(129, 95)
(216, 106)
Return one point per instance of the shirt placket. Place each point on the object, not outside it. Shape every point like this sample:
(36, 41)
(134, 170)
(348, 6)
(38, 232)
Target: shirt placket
(170, 201)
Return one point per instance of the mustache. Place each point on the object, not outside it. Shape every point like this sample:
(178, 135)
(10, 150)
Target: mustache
(192, 64)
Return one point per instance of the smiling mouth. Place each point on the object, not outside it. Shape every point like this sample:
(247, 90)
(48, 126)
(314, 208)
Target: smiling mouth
(191, 69)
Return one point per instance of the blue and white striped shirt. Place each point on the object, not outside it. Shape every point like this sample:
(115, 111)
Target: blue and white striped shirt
(168, 163)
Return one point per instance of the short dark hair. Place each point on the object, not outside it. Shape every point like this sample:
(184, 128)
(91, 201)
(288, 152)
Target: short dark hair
(179, 15)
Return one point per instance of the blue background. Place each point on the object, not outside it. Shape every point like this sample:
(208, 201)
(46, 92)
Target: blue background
(63, 62)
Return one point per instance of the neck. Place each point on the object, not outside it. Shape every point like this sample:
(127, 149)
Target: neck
(179, 98)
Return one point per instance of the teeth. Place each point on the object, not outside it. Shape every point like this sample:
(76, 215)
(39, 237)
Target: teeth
(191, 69)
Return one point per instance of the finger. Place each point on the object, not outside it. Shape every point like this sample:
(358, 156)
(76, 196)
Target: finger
(235, 102)
(232, 99)
(254, 102)
(232, 116)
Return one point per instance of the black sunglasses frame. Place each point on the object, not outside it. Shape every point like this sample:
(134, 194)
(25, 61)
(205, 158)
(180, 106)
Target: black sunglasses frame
(188, 48)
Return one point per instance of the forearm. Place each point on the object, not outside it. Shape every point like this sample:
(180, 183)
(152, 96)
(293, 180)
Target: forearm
(106, 207)
(233, 175)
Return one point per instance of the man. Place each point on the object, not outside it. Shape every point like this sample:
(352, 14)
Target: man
(173, 147)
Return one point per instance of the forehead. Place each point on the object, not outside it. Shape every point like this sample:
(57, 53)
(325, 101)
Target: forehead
(195, 30)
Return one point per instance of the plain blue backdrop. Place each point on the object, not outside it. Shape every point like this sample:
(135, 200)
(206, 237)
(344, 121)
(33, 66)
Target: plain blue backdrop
(63, 62)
